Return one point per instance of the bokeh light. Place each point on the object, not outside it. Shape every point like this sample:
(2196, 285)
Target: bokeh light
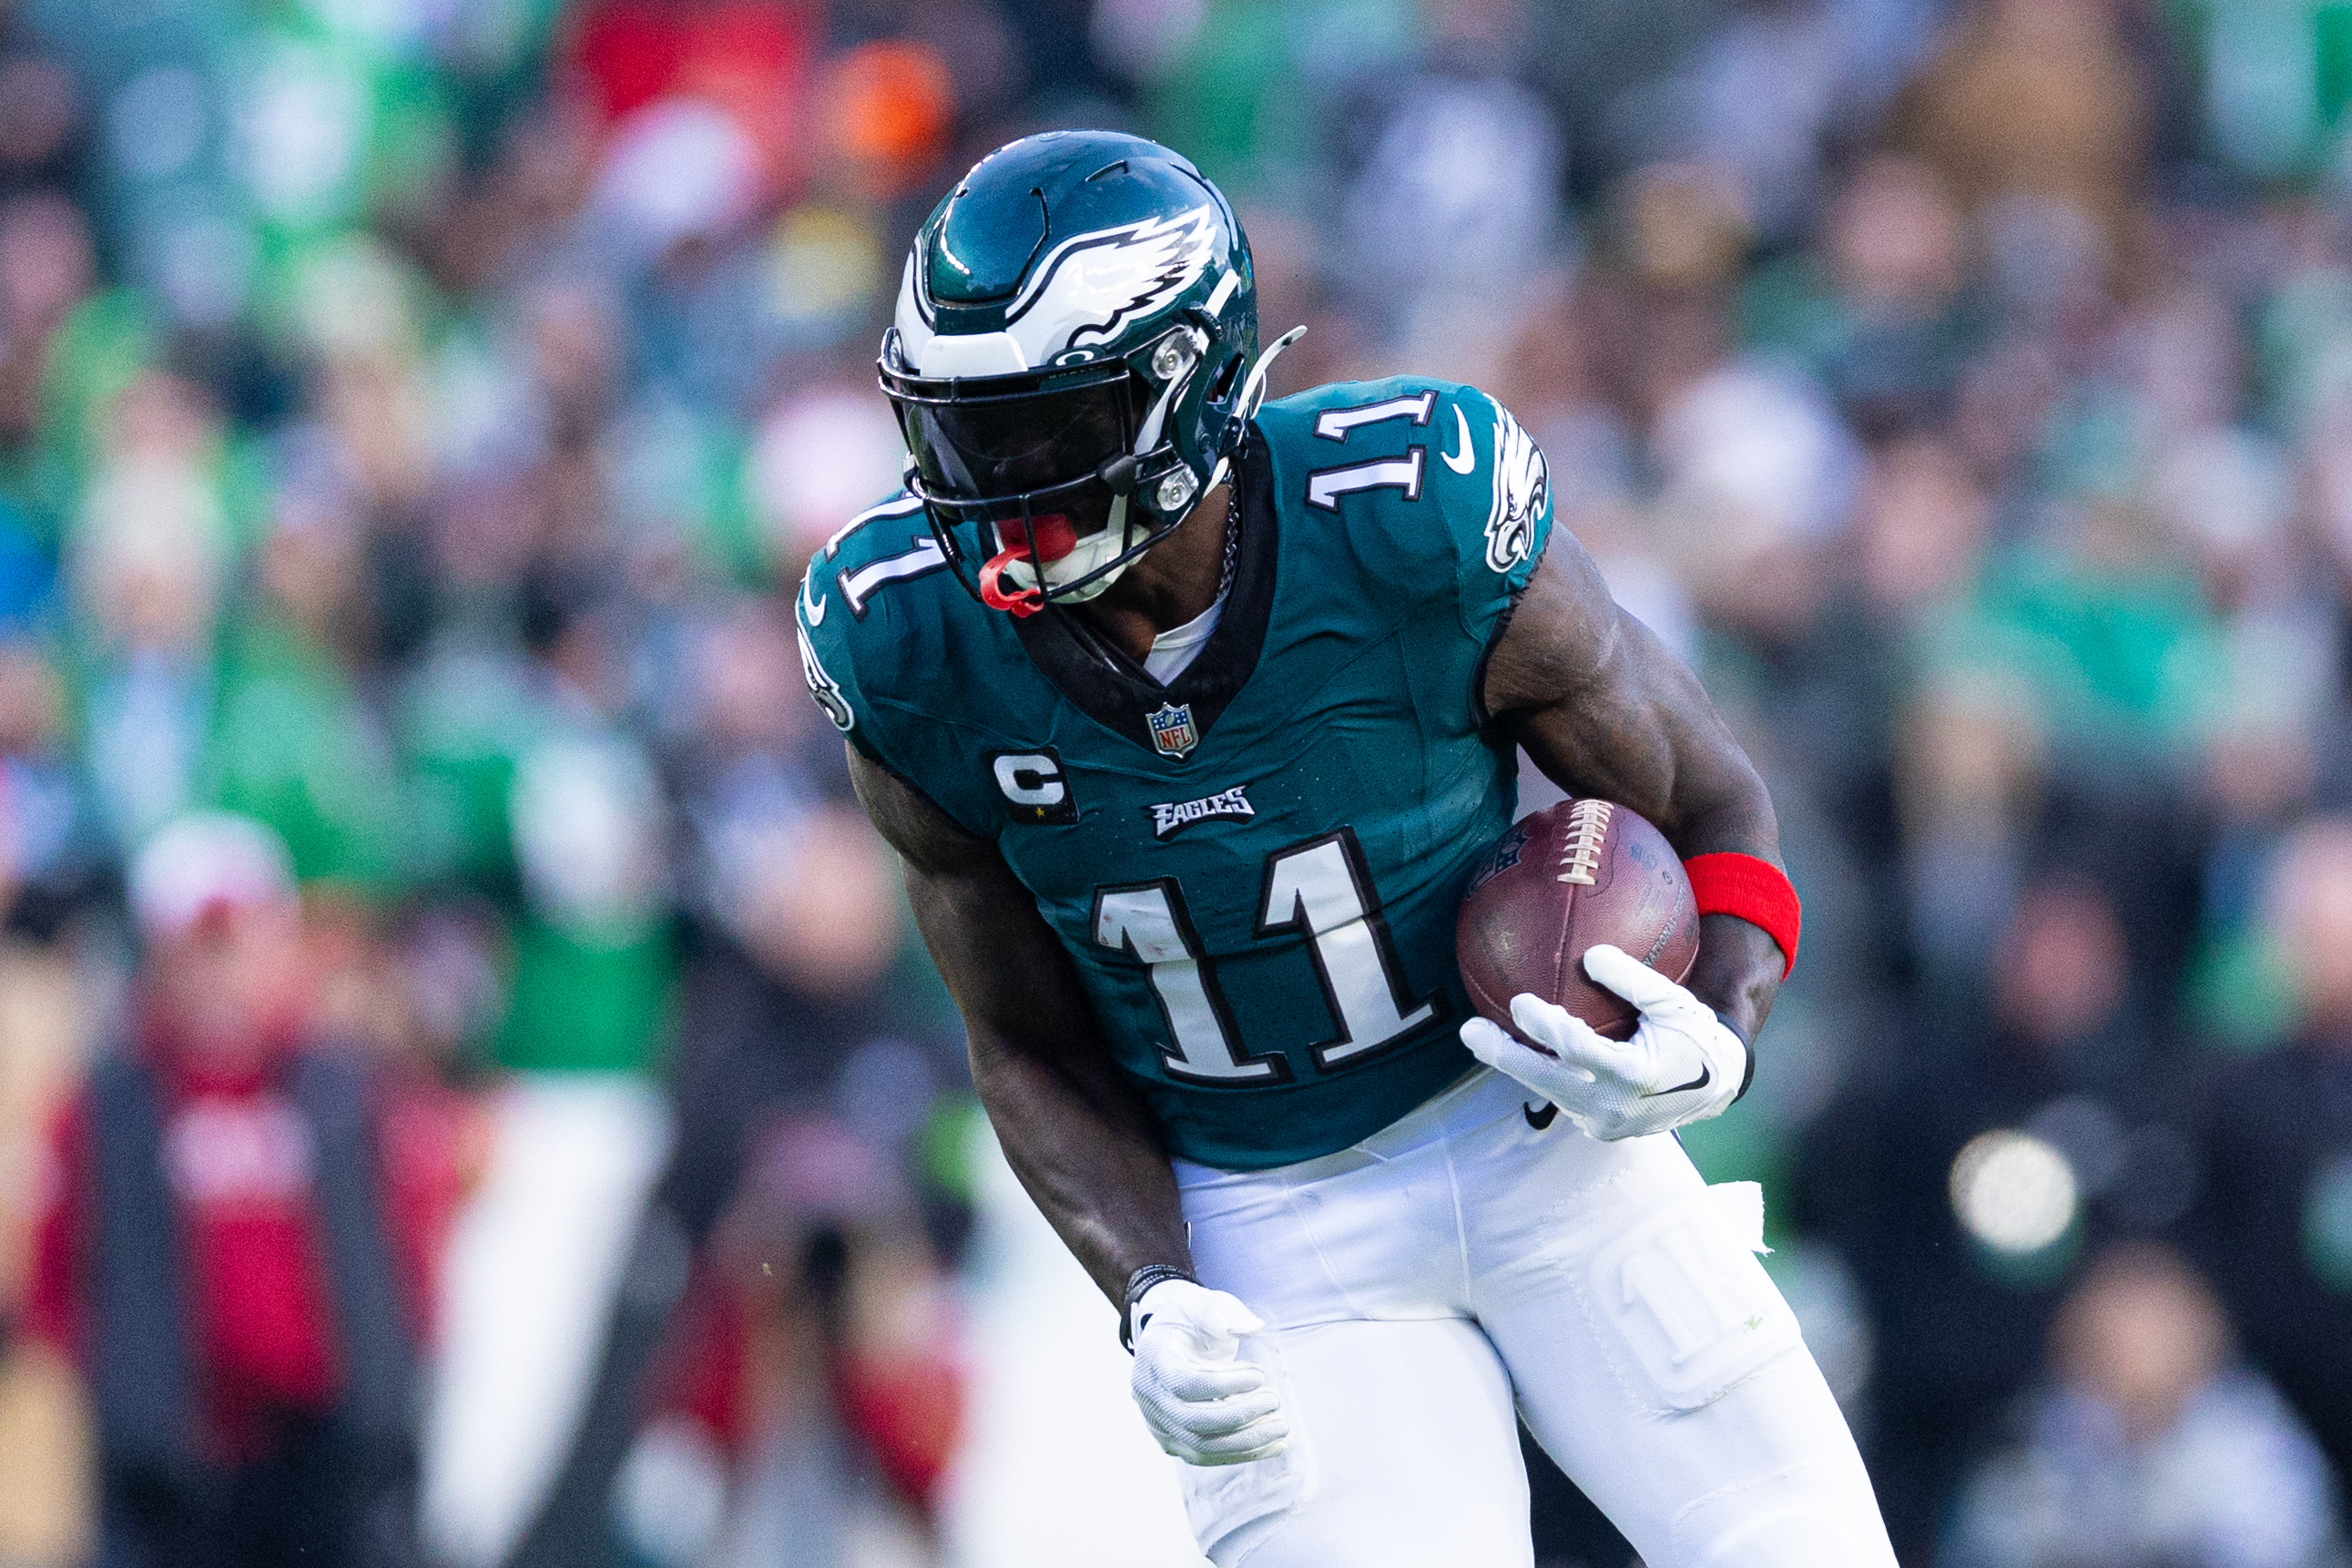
(2013, 1191)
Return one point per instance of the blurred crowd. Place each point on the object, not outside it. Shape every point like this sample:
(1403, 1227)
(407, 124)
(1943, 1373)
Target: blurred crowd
(466, 1091)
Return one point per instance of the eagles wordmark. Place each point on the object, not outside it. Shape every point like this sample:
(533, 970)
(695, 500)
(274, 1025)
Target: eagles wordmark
(1169, 817)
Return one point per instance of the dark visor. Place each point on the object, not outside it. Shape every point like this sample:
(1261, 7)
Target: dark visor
(1001, 438)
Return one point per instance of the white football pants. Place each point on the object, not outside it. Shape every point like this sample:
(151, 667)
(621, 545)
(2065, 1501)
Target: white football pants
(1462, 1262)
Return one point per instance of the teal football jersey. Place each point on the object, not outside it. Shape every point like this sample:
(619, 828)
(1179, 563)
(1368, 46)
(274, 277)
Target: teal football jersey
(1257, 865)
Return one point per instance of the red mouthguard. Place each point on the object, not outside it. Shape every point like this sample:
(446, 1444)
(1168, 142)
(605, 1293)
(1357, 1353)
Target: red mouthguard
(1054, 539)
(1021, 601)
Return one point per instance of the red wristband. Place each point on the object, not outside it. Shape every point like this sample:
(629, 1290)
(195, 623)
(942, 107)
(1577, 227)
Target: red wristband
(1756, 890)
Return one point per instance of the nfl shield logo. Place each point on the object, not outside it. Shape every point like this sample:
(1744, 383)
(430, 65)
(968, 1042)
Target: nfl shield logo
(1171, 729)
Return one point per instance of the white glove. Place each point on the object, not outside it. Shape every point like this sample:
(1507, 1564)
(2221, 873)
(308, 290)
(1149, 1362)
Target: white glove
(1206, 1405)
(1682, 1064)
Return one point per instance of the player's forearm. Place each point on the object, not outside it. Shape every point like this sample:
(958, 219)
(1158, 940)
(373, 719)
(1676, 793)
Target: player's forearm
(1706, 798)
(1071, 1126)
(1739, 966)
(1087, 1160)
(1718, 802)
(1069, 1123)
(1737, 974)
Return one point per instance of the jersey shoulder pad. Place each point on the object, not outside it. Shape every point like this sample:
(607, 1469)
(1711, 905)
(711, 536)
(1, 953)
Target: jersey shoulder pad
(1463, 491)
(869, 616)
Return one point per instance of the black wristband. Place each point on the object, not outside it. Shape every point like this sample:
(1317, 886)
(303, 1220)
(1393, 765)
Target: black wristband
(1143, 1280)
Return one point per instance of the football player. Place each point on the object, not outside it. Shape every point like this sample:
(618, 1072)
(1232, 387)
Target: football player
(1192, 714)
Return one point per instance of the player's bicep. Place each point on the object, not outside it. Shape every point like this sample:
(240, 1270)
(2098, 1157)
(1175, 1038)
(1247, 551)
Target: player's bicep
(1602, 706)
(1008, 972)
(925, 836)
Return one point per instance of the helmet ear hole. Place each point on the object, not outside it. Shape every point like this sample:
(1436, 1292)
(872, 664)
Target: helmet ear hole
(1223, 388)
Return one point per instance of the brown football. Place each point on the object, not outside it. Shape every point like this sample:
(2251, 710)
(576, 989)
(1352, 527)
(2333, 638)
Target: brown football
(1577, 874)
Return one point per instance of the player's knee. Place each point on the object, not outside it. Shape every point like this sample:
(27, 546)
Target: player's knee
(1804, 1519)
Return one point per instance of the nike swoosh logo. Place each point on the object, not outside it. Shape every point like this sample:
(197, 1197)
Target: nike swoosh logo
(1539, 1120)
(813, 612)
(1705, 1076)
(1465, 457)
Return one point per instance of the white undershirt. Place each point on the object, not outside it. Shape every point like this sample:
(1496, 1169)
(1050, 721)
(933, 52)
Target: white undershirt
(1178, 647)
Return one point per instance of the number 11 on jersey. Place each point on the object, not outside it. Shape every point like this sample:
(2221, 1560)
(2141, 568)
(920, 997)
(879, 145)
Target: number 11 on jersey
(1147, 920)
(1319, 886)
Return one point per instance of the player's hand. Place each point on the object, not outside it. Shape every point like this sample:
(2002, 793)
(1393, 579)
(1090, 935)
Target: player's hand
(1205, 1404)
(1682, 1064)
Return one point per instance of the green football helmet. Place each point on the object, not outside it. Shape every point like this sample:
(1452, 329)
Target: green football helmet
(1073, 363)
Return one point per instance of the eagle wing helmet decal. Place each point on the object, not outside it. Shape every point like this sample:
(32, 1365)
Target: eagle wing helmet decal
(1090, 286)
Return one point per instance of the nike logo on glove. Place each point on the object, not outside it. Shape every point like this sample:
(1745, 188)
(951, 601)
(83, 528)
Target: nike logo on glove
(1539, 1120)
(1705, 1076)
